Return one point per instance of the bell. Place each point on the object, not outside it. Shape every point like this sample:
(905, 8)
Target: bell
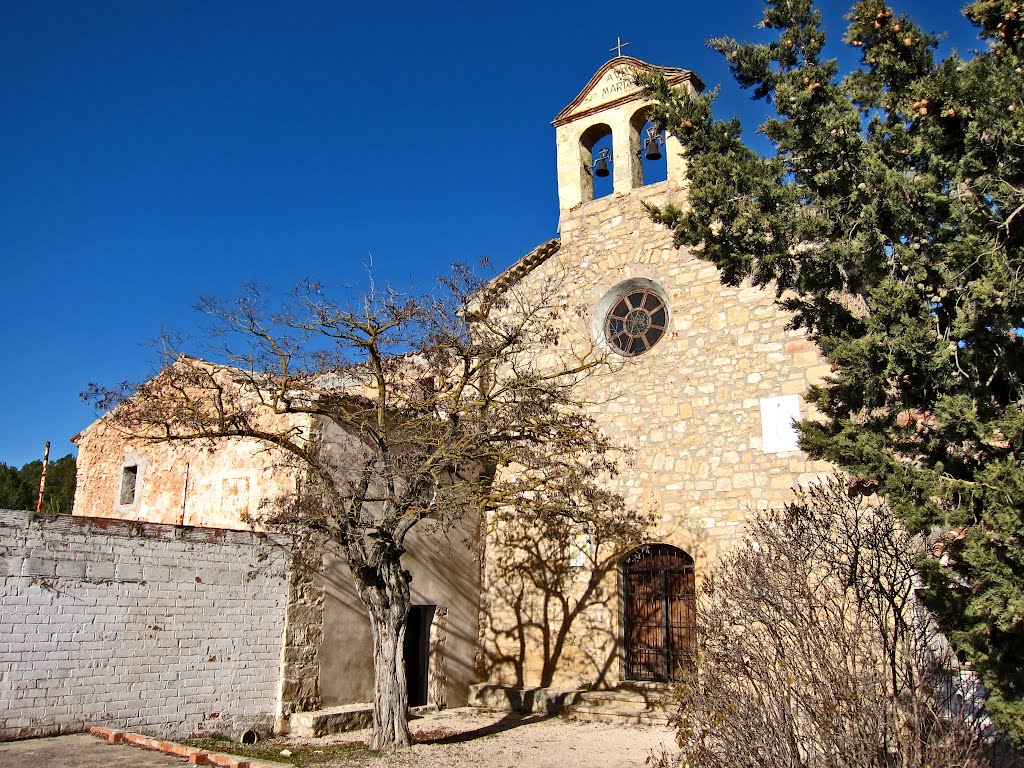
(653, 152)
(601, 168)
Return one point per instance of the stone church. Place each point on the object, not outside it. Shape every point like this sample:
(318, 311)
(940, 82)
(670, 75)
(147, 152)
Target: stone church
(708, 382)
(705, 383)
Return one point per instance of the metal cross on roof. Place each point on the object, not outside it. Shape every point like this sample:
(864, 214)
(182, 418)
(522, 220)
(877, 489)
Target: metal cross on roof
(619, 45)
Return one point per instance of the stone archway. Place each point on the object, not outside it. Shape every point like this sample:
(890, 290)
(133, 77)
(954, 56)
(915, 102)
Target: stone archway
(659, 612)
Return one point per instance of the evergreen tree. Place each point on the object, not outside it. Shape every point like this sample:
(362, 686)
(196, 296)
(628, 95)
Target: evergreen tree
(889, 220)
(14, 493)
(59, 494)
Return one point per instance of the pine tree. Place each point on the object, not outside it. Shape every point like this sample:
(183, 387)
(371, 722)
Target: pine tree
(889, 220)
(14, 493)
(19, 487)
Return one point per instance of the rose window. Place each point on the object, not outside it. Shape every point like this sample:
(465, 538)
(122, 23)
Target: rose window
(636, 322)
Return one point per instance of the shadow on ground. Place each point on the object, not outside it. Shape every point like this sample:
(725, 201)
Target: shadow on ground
(506, 723)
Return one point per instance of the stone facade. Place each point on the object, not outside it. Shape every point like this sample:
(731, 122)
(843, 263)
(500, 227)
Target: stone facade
(705, 414)
(706, 411)
(159, 629)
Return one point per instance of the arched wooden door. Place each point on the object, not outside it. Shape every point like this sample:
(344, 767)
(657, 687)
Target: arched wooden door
(659, 607)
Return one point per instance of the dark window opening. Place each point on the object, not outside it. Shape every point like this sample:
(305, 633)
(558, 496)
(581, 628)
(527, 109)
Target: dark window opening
(129, 477)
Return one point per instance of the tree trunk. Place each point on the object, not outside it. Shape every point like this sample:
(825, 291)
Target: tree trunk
(387, 598)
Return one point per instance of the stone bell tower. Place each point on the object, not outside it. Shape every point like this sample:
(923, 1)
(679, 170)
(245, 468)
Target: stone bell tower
(612, 104)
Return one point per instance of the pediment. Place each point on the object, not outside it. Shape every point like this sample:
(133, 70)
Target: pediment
(613, 84)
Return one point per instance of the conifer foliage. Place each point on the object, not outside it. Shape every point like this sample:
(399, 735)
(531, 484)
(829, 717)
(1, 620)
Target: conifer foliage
(889, 220)
(20, 487)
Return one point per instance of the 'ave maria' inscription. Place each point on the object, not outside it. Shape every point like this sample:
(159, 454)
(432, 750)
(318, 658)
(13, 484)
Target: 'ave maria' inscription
(618, 82)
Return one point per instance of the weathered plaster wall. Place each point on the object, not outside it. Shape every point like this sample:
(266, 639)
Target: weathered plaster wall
(690, 409)
(445, 573)
(156, 628)
(183, 484)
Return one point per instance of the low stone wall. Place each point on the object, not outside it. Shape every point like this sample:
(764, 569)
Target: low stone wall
(510, 698)
(160, 629)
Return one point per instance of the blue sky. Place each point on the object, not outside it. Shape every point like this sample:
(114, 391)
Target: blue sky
(152, 152)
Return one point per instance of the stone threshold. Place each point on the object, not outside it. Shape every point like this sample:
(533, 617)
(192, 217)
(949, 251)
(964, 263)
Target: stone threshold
(340, 719)
(194, 755)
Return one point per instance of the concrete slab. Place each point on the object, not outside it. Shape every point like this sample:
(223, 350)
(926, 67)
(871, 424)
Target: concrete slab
(81, 750)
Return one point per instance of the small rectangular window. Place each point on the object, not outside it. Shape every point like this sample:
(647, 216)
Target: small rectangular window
(129, 476)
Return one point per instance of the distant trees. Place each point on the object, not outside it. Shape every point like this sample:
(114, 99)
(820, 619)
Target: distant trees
(14, 493)
(19, 487)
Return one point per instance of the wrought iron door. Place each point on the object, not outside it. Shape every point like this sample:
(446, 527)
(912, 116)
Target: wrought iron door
(660, 612)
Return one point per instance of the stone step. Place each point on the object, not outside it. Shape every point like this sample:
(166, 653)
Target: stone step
(610, 714)
(613, 696)
(658, 690)
(625, 703)
(548, 701)
(319, 722)
(347, 717)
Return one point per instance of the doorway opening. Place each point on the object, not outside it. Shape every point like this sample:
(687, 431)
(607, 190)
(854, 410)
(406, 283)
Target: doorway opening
(659, 613)
(417, 653)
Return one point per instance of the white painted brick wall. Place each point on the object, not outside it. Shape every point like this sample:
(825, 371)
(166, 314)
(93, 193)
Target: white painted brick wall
(160, 629)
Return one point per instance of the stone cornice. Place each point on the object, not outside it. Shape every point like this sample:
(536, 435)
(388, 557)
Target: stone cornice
(674, 75)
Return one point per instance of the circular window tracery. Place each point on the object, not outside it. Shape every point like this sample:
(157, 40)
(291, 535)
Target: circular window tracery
(636, 322)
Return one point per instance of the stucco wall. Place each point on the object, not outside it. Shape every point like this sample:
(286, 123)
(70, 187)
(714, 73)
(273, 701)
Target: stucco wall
(198, 484)
(156, 628)
(445, 573)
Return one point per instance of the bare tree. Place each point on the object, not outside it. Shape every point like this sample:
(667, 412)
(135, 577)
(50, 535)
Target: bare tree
(814, 651)
(550, 589)
(392, 409)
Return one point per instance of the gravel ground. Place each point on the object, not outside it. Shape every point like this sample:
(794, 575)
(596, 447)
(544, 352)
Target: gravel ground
(471, 738)
(456, 738)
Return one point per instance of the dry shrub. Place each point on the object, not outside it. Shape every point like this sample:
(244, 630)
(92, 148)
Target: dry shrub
(814, 651)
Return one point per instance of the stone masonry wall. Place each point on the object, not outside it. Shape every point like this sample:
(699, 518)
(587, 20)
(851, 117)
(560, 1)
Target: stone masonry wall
(159, 629)
(300, 672)
(691, 406)
(690, 409)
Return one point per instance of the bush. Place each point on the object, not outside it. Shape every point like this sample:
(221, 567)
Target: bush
(814, 650)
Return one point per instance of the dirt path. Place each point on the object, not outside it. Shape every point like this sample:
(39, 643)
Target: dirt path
(471, 738)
